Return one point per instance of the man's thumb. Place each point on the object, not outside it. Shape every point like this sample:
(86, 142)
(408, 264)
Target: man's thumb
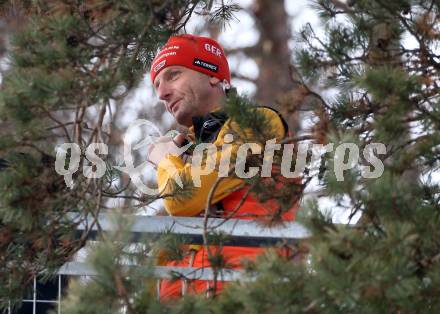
(179, 139)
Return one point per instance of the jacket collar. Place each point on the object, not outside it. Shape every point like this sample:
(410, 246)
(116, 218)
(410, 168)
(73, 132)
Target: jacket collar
(206, 128)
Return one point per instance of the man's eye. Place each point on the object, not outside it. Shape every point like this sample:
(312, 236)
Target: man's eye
(174, 74)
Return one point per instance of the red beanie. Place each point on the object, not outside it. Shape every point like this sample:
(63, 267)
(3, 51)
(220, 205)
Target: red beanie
(198, 53)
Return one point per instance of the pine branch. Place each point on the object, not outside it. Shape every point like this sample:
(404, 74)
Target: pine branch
(343, 7)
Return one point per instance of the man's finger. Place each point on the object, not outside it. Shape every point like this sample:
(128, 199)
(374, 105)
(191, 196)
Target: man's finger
(179, 139)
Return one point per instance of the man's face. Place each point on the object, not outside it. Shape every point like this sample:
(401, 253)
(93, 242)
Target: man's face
(186, 93)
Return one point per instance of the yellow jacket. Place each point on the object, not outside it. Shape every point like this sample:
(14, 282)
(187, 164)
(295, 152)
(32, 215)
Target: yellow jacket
(196, 202)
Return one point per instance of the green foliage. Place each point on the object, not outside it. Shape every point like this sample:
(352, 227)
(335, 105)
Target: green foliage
(169, 248)
(68, 61)
(379, 265)
(118, 283)
(183, 192)
(278, 289)
(247, 115)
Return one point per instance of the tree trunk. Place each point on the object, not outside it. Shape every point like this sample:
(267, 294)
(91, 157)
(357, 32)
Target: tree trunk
(275, 82)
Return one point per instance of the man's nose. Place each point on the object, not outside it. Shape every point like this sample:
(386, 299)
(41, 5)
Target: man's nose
(164, 91)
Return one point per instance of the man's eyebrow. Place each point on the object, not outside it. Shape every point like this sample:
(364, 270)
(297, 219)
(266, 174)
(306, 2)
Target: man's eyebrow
(170, 70)
(165, 73)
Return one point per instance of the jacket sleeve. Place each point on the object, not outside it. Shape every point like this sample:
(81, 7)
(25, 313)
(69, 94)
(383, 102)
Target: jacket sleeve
(195, 202)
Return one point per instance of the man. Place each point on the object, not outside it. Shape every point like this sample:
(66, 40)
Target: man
(190, 75)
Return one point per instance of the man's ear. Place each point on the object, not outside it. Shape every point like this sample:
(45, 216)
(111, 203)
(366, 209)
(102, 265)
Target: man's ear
(214, 81)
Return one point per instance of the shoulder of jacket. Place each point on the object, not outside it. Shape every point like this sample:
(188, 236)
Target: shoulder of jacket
(273, 113)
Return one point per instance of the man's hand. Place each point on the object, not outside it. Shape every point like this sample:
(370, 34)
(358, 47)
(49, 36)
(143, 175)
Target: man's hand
(165, 145)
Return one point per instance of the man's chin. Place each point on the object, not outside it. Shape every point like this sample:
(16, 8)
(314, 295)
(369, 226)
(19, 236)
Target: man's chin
(182, 119)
